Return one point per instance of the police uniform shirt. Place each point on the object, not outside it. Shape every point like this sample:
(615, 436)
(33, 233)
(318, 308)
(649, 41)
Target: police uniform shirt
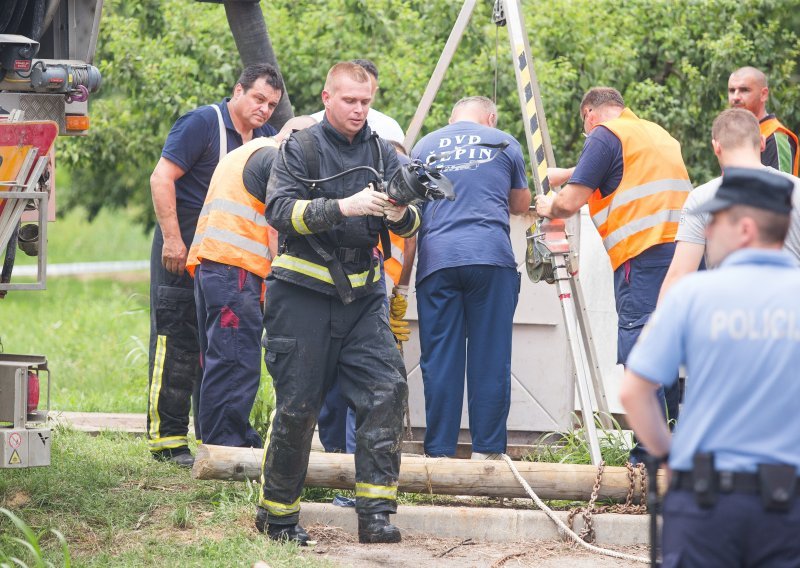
(737, 330)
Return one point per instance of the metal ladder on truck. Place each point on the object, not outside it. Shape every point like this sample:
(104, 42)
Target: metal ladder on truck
(551, 253)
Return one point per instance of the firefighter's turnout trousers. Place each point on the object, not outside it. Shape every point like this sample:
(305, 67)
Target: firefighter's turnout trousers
(175, 372)
(312, 340)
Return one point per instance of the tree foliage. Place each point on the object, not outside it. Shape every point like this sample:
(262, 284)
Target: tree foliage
(670, 59)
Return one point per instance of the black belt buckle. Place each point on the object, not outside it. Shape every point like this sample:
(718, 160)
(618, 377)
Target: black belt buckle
(777, 483)
(704, 480)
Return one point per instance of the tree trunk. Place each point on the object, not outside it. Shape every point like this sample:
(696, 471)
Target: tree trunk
(252, 40)
(438, 476)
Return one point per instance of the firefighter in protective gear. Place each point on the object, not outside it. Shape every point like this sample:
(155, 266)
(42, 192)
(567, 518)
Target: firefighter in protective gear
(325, 316)
(229, 259)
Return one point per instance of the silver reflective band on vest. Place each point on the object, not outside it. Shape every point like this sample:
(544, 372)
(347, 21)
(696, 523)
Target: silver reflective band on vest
(234, 208)
(237, 241)
(665, 216)
(638, 192)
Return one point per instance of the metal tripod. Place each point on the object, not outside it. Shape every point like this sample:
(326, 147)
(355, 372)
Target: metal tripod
(550, 242)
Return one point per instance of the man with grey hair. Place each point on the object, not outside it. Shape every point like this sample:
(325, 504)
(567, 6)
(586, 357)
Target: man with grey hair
(748, 89)
(632, 176)
(467, 281)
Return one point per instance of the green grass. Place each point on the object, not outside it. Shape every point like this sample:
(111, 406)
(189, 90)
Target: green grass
(94, 334)
(112, 235)
(573, 447)
(117, 506)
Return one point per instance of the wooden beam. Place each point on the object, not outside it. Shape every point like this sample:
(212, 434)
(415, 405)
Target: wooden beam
(439, 476)
(438, 73)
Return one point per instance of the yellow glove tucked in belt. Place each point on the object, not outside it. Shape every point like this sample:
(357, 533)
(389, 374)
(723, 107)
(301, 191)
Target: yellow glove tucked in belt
(398, 304)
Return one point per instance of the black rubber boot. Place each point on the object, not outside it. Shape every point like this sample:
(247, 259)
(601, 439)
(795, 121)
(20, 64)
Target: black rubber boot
(181, 458)
(294, 533)
(376, 528)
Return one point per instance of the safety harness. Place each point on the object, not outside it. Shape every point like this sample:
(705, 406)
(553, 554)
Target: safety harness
(333, 258)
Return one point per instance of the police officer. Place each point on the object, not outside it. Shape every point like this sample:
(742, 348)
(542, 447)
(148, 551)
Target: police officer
(325, 315)
(229, 259)
(735, 457)
(194, 147)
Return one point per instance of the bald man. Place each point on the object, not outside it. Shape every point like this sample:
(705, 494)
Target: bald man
(748, 89)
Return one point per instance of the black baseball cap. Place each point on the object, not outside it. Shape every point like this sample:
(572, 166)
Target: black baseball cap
(754, 187)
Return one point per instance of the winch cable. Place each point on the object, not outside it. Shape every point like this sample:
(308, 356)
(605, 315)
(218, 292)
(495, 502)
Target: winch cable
(562, 525)
(496, 54)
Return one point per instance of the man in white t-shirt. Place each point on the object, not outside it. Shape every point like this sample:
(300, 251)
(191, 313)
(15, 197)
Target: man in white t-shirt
(737, 142)
(385, 126)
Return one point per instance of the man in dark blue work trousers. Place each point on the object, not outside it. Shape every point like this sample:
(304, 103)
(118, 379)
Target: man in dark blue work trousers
(467, 280)
(195, 145)
(735, 457)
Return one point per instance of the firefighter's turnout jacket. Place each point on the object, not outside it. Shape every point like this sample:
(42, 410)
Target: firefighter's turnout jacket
(295, 210)
(315, 336)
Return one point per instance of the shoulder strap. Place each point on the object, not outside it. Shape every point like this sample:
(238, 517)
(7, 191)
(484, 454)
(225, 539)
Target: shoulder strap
(377, 160)
(377, 153)
(223, 135)
(309, 145)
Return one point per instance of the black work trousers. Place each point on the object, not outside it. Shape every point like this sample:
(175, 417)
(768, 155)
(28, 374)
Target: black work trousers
(312, 340)
(175, 372)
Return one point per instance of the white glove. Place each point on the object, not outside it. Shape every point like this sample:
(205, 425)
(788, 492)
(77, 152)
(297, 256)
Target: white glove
(394, 213)
(365, 202)
(400, 290)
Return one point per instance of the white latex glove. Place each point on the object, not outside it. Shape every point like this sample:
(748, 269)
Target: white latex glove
(394, 213)
(365, 202)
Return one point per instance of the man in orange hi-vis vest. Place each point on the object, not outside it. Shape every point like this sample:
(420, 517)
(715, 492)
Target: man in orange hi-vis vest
(748, 89)
(633, 178)
(229, 259)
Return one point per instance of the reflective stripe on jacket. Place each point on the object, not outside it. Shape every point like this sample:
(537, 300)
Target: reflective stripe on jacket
(773, 125)
(644, 210)
(232, 228)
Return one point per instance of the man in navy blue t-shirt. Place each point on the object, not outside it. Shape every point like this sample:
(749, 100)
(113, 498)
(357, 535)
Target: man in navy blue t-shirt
(467, 281)
(195, 145)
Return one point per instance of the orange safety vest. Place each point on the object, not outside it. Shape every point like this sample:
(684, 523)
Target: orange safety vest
(394, 266)
(773, 125)
(644, 210)
(232, 229)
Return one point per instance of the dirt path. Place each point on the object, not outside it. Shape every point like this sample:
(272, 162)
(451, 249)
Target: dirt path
(343, 549)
